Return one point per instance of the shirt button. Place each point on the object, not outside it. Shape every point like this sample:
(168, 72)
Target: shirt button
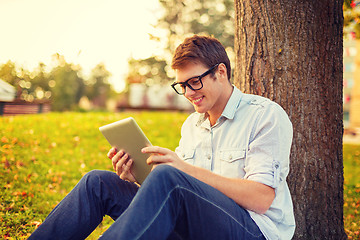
(230, 157)
(208, 157)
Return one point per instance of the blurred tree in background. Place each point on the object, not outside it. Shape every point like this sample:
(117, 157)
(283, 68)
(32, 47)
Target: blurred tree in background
(40, 82)
(68, 85)
(181, 19)
(21, 79)
(184, 18)
(150, 70)
(8, 73)
(63, 85)
(98, 88)
(352, 18)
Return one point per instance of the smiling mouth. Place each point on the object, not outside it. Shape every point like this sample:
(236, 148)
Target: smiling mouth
(198, 100)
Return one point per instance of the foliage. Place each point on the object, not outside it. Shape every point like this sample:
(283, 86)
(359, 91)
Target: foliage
(27, 84)
(98, 87)
(44, 156)
(181, 19)
(352, 18)
(149, 71)
(184, 18)
(69, 86)
(63, 84)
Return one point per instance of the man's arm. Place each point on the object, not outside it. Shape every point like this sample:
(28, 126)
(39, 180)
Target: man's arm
(249, 194)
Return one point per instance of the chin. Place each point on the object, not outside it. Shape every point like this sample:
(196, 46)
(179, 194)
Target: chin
(199, 109)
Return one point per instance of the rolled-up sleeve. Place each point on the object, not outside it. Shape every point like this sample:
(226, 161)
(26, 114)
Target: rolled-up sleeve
(267, 157)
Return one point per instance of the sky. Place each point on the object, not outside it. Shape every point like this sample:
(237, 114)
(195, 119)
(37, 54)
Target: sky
(85, 32)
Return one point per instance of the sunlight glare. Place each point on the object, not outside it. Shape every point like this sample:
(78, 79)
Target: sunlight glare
(85, 32)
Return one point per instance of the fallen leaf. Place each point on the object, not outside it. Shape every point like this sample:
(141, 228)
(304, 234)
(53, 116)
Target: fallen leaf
(4, 139)
(36, 223)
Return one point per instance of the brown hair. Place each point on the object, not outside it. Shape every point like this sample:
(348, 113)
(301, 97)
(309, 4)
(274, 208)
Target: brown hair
(201, 49)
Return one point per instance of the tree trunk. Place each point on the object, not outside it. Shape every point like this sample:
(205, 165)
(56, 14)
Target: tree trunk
(291, 52)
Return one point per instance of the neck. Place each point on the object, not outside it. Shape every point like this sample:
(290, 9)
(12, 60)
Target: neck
(215, 114)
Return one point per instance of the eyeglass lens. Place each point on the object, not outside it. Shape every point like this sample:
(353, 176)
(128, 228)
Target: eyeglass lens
(193, 83)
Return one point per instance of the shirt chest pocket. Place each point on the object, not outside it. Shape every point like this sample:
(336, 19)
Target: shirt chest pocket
(188, 155)
(232, 163)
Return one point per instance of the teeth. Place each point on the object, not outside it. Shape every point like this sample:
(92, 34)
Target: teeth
(197, 100)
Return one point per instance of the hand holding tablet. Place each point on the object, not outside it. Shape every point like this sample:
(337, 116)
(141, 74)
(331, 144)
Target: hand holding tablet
(127, 135)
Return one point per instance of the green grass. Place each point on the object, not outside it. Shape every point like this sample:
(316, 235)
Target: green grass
(44, 156)
(352, 190)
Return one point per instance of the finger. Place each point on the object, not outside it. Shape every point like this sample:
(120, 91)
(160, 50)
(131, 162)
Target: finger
(158, 159)
(155, 150)
(111, 153)
(125, 174)
(121, 159)
(115, 158)
(130, 175)
(127, 166)
(119, 164)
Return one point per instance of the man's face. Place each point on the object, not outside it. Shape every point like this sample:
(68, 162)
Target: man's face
(208, 98)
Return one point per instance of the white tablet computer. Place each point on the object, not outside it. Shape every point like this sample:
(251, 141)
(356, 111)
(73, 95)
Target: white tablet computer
(127, 135)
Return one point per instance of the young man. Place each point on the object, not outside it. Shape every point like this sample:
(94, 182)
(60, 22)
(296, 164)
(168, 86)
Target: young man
(226, 180)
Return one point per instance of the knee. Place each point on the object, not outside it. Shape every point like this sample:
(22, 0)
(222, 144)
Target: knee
(164, 169)
(165, 173)
(96, 177)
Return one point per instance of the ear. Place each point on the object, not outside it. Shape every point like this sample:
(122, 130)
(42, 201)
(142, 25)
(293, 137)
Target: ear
(222, 72)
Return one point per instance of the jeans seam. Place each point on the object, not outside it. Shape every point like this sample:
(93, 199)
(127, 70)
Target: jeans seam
(157, 213)
(168, 196)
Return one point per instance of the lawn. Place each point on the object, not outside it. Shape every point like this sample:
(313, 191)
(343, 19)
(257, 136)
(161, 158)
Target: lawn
(44, 156)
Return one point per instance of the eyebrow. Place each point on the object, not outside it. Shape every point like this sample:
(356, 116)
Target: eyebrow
(209, 70)
(188, 79)
(193, 77)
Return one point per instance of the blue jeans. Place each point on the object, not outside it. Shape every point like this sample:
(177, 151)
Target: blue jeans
(170, 204)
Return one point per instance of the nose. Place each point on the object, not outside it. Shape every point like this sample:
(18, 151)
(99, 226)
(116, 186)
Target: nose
(188, 91)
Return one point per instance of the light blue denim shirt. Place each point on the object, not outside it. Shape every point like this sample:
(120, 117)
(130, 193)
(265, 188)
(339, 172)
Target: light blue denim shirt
(251, 140)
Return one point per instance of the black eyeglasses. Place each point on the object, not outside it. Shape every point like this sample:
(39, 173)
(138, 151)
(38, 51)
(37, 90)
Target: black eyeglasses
(193, 83)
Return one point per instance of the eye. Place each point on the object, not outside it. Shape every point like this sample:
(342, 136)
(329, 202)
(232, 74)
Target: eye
(194, 81)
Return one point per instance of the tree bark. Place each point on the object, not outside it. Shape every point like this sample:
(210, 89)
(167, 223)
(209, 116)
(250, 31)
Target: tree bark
(291, 52)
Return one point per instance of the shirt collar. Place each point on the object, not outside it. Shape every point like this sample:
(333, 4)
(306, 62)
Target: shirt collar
(230, 108)
(232, 104)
